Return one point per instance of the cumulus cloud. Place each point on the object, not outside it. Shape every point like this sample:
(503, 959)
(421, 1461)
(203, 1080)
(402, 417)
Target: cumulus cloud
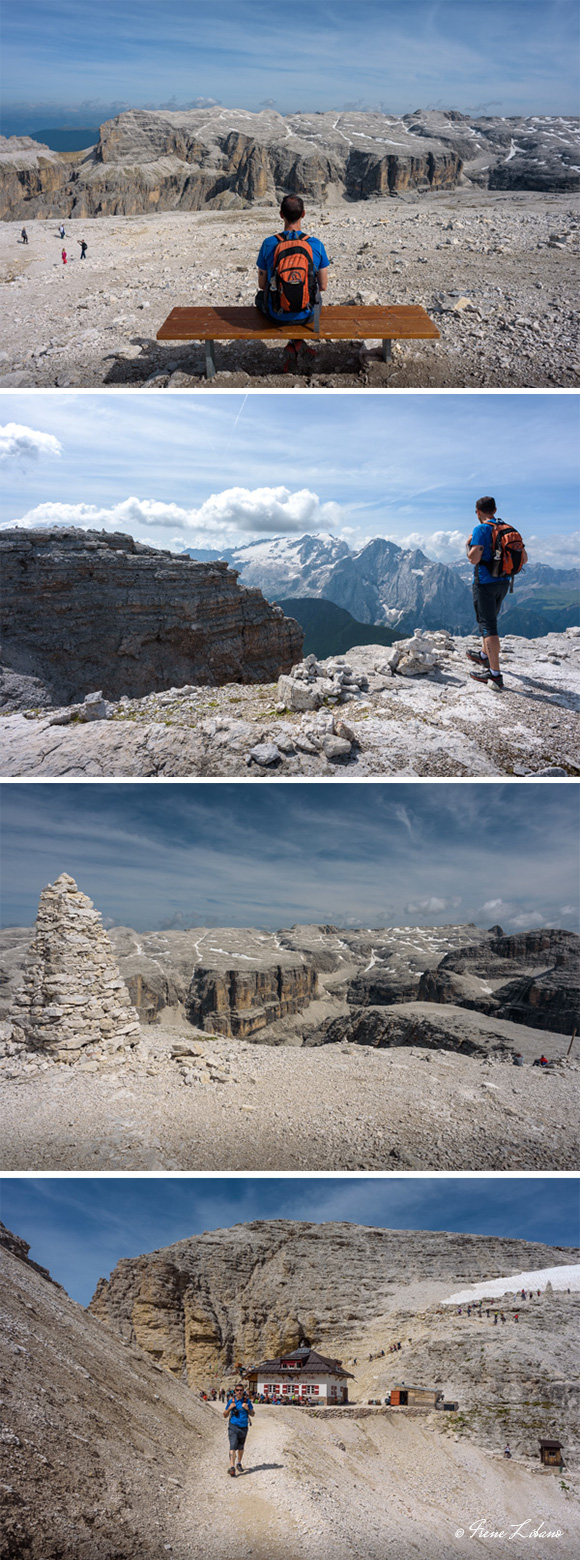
(17, 442)
(263, 511)
(442, 546)
(433, 905)
(494, 904)
(526, 919)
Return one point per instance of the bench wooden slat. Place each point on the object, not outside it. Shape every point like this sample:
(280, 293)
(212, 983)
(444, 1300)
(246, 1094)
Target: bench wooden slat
(338, 322)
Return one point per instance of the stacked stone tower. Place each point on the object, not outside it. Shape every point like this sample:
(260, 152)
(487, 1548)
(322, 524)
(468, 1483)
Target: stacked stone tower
(73, 995)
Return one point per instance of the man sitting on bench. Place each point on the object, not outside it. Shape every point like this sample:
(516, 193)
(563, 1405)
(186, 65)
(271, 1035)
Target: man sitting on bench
(292, 274)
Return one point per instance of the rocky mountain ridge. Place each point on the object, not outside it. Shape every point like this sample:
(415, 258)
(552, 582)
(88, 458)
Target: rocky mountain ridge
(204, 1304)
(95, 608)
(106, 1452)
(228, 159)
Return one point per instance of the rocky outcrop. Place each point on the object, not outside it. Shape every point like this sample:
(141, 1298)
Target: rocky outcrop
(530, 978)
(258, 1289)
(87, 609)
(239, 1001)
(72, 996)
(20, 1249)
(424, 1024)
(226, 158)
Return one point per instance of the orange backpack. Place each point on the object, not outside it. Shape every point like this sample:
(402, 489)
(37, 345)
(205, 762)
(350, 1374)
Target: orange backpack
(292, 285)
(507, 551)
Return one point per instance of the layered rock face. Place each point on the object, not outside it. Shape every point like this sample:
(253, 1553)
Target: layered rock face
(531, 978)
(258, 1289)
(73, 995)
(86, 609)
(238, 1001)
(226, 159)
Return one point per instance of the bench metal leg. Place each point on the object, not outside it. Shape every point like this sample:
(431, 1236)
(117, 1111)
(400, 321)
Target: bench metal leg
(387, 351)
(210, 364)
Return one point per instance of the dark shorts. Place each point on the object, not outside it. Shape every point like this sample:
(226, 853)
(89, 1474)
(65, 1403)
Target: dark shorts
(487, 600)
(237, 1437)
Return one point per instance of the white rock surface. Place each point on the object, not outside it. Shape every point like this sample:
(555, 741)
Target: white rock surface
(425, 719)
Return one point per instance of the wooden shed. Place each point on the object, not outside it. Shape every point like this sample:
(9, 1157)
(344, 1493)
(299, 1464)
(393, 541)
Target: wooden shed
(551, 1453)
(403, 1395)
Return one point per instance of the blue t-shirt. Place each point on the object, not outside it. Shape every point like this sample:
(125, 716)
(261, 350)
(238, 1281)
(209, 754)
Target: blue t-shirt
(239, 1415)
(481, 536)
(265, 262)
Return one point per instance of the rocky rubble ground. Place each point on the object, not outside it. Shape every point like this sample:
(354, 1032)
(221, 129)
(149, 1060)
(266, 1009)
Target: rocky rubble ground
(195, 1102)
(496, 271)
(408, 710)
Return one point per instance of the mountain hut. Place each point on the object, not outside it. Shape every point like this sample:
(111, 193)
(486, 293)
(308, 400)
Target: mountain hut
(302, 1376)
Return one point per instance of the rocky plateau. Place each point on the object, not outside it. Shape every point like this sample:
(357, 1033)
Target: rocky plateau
(108, 1449)
(411, 709)
(495, 269)
(239, 1028)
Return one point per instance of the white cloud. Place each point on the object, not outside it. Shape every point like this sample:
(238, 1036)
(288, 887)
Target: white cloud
(250, 511)
(432, 905)
(17, 442)
(442, 546)
(560, 551)
(568, 909)
(527, 919)
(494, 904)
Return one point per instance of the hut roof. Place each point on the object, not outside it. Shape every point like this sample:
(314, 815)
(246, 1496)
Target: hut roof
(407, 1386)
(306, 1359)
(551, 1446)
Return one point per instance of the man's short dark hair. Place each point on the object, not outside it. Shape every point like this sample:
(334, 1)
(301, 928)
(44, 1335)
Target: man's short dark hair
(292, 208)
(487, 506)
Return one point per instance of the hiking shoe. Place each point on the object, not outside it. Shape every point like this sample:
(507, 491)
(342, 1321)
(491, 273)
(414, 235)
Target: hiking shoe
(488, 677)
(240, 1469)
(478, 656)
(308, 352)
(232, 1473)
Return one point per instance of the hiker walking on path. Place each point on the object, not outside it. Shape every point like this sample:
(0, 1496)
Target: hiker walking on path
(292, 275)
(63, 256)
(83, 246)
(497, 552)
(24, 236)
(239, 1412)
(61, 230)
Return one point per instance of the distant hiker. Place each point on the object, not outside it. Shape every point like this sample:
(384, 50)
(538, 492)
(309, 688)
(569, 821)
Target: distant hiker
(61, 230)
(498, 553)
(517, 1059)
(506, 1450)
(63, 256)
(24, 236)
(239, 1412)
(83, 246)
(292, 275)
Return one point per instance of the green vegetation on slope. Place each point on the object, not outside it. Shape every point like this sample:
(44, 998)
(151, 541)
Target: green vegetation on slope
(330, 630)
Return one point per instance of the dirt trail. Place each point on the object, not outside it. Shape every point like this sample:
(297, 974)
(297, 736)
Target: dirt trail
(360, 1489)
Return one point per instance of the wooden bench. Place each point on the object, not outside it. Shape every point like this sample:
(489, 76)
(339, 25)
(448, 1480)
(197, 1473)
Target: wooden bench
(338, 322)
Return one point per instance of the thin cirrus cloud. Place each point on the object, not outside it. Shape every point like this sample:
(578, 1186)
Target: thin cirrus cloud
(251, 512)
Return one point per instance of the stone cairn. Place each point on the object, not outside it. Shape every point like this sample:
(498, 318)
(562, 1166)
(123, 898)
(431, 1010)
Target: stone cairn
(73, 996)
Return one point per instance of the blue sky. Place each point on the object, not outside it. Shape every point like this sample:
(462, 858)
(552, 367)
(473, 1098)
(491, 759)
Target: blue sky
(77, 61)
(80, 1228)
(271, 856)
(216, 471)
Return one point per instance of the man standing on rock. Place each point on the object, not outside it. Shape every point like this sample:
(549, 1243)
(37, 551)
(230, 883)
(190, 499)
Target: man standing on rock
(239, 1412)
(292, 274)
(491, 584)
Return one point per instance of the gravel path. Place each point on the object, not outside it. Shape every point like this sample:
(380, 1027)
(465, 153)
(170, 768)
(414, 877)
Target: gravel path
(511, 257)
(243, 1107)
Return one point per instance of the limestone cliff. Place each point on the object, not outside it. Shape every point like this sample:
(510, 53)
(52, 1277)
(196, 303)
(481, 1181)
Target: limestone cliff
(233, 1295)
(226, 158)
(88, 609)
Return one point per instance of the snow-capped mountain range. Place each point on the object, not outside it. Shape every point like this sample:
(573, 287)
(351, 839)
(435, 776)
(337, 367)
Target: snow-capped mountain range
(380, 583)
(397, 587)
